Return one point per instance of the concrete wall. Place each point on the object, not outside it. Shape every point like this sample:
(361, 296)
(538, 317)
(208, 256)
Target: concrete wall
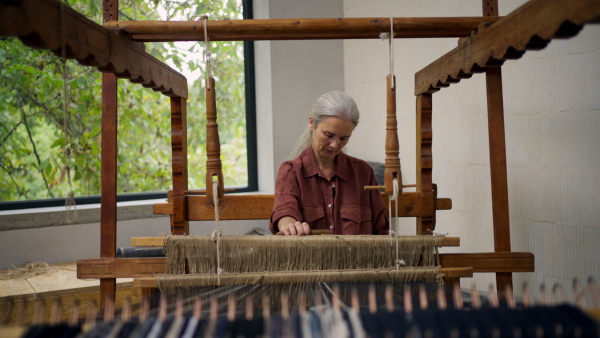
(46, 235)
(293, 74)
(552, 116)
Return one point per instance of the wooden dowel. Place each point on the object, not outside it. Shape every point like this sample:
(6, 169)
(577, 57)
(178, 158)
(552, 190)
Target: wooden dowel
(377, 187)
(314, 232)
(300, 29)
(203, 191)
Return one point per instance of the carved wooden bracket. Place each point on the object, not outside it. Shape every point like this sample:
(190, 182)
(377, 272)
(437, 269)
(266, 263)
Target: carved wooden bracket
(530, 27)
(48, 24)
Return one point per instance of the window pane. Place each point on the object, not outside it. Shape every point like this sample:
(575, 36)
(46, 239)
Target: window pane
(48, 151)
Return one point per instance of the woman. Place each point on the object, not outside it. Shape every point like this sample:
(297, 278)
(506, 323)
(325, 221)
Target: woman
(323, 188)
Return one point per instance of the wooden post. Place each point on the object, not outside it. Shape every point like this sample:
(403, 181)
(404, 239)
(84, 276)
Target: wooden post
(392, 145)
(496, 132)
(425, 221)
(179, 224)
(108, 197)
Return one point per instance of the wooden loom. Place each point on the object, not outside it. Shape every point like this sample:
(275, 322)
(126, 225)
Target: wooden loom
(480, 49)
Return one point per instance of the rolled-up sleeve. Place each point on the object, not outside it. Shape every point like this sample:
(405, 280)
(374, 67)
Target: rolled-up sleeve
(287, 196)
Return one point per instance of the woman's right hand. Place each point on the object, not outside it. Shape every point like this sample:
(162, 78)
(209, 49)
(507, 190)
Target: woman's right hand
(289, 226)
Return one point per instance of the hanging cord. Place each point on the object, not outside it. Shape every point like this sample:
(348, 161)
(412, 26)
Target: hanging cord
(399, 262)
(206, 48)
(394, 197)
(71, 214)
(217, 234)
(390, 37)
(392, 51)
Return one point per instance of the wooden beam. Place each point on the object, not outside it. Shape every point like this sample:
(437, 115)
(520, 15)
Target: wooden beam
(497, 145)
(426, 215)
(232, 207)
(159, 241)
(179, 165)
(490, 261)
(108, 197)
(120, 267)
(235, 207)
(463, 272)
(297, 29)
(147, 267)
(529, 27)
(37, 23)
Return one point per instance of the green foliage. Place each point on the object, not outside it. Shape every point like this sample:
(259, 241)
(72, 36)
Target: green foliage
(46, 152)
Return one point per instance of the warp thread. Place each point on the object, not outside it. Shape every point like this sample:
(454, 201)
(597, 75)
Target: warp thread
(244, 254)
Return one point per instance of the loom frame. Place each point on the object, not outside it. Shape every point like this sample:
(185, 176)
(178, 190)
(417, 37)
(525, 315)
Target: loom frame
(30, 21)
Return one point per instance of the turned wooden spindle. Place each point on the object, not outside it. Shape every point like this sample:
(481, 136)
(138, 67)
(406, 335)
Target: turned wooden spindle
(213, 144)
(392, 146)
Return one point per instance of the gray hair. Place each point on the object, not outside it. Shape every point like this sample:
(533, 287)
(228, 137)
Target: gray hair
(332, 104)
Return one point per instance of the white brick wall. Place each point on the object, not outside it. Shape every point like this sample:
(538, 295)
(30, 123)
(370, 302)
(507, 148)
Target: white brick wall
(552, 103)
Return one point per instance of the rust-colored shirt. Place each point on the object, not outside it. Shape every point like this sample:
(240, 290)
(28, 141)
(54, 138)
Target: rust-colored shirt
(341, 205)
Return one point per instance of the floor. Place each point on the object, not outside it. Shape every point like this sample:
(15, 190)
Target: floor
(30, 296)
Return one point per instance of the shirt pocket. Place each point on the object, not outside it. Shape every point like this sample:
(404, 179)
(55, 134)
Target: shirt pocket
(356, 220)
(312, 213)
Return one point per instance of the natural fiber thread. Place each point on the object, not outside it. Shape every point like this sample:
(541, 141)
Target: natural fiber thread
(27, 270)
(399, 262)
(217, 233)
(244, 254)
(391, 275)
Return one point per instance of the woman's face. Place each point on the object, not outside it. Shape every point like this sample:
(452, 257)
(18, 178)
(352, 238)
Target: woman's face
(330, 136)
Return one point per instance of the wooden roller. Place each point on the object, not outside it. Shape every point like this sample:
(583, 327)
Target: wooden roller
(392, 146)
(314, 232)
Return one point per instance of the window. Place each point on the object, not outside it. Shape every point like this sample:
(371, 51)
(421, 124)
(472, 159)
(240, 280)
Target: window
(48, 151)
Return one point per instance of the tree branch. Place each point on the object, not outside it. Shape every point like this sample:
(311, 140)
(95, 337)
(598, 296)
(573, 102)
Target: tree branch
(37, 156)
(12, 179)
(9, 133)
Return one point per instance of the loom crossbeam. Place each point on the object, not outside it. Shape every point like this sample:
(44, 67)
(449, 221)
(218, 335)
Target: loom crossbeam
(151, 282)
(147, 267)
(235, 207)
(160, 241)
(298, 29)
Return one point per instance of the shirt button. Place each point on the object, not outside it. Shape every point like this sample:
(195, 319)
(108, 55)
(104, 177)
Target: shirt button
(331, 227)
(329, 205)
(333, 185)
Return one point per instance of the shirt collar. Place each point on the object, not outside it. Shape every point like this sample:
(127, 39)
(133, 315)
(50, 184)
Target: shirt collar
(311, 168)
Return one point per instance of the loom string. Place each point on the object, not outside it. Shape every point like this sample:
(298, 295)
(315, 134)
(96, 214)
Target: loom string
(206, 48)
(391, 37)
(256, 254)
(399, 263)
(217, 233)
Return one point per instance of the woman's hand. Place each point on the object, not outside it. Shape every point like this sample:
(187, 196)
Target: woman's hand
(289, 226)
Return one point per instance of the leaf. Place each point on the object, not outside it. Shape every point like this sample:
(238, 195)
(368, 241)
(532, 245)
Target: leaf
(59, 142)
(77, 175)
